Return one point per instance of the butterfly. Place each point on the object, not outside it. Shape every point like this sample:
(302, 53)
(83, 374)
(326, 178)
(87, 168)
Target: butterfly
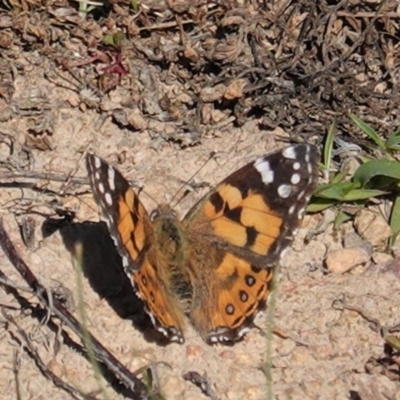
(214, 267)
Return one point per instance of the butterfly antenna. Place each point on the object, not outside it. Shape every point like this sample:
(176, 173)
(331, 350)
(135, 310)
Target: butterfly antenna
(212, 155)
(141, 190)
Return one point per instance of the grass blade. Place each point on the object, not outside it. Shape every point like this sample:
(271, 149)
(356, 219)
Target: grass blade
(369, 131)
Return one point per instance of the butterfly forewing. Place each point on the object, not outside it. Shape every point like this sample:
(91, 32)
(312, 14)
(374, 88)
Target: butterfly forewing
(132, 232)
(127, 219)
(257, 209)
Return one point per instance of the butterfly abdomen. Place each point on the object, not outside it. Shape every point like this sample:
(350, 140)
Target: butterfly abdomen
(172, 246)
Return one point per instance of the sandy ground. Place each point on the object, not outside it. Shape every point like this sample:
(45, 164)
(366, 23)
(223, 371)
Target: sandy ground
(322, 352)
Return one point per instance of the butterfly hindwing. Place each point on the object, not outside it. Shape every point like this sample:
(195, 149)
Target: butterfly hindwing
(236, 290)
(161, 308)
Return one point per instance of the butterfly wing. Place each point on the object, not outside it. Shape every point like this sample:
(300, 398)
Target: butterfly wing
(232, 294)
(132, 231)
(249, 219)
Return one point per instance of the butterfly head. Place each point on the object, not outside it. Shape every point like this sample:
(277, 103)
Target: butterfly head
(164, 211)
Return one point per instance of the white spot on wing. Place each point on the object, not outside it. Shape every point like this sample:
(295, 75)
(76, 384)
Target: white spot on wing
(289, 152)
(263, 167)
(97, 162)
(125, 261)
(111, 178)
(301, 194)
(101, 188)
(108, 199)
(301, 213)
(243, 331)
(153, 320)
(284, 191)
(295, 179)
(296, 166)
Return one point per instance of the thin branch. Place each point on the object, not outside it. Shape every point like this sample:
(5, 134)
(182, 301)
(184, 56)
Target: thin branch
(28, 346)
(46, 176)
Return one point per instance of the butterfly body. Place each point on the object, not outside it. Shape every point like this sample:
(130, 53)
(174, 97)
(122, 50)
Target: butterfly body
(214, 267)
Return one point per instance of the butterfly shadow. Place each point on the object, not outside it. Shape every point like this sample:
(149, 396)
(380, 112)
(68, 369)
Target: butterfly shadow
(102, 266)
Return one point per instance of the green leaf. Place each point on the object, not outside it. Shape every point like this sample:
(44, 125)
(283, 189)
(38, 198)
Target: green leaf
(346, 191)
(364, 159)
(339, 177)
(335, 191)
(362, 194)
(135, 6)
(393, 342)
(318, 205)
(118, 38)
(109, 39)
(393, 141)
(369, 131)
(395, 220)
(115, 39)
(374, 168)
(341, 218)
(328, 146)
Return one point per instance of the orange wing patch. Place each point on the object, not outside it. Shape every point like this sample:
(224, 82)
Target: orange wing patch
(239, 290)
(240, 296)
(163, 310)
(245, 222)
(131, 224)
